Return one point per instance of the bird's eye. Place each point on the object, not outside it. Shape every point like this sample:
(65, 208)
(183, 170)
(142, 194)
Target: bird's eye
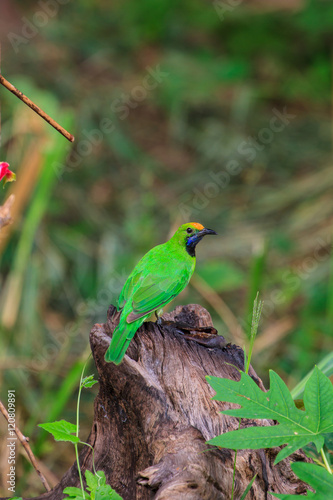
(189, 230)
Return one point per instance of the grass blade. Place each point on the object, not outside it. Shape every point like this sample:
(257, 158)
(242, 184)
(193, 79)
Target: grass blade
(249, 486)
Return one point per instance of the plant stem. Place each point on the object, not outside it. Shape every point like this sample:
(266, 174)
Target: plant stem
(327, 465)
(234, 472)
(77, 427)
(233, 476)
(77, 431)
(78, 468)
(257, 308)
(93, 455)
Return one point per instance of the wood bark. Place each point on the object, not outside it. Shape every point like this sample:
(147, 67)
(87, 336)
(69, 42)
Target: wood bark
(154, 413)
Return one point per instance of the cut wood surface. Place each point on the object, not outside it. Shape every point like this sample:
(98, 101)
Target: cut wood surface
(154, 413)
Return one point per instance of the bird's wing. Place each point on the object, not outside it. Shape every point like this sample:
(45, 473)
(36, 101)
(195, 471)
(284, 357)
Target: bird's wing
(134, 278)
(154, 292)
(138, 274)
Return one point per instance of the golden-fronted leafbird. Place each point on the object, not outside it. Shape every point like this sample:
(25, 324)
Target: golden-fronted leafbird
(158, 278)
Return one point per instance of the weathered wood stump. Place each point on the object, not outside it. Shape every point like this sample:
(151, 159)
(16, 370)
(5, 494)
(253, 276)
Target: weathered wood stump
(154, 414)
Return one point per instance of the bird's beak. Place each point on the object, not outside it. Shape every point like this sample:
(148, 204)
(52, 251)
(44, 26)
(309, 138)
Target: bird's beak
(205, 231)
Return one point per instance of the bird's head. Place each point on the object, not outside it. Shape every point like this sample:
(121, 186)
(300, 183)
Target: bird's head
(190, 234)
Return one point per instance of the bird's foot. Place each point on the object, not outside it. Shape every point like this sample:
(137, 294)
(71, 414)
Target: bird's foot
(159, 320)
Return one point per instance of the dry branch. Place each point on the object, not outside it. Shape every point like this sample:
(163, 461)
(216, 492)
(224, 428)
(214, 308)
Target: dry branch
(9, 86)
(24, 441)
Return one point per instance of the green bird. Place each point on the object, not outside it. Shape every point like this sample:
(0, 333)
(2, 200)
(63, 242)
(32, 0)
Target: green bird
(158, 278)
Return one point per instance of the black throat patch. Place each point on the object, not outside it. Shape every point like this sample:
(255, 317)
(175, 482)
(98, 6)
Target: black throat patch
(190, 247)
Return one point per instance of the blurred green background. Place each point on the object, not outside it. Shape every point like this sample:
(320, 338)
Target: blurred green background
(182, 111)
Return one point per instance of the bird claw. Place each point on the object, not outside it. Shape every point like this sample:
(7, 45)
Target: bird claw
(160, 321)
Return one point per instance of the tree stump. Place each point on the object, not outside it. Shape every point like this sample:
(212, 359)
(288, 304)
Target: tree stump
(154, 414)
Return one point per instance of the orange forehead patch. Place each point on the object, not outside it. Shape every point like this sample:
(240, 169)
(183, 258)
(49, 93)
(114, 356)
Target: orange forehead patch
(197, 225)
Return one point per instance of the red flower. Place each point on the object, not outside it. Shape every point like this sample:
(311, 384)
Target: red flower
(5, 173)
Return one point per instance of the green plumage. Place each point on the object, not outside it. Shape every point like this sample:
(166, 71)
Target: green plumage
(158, 278)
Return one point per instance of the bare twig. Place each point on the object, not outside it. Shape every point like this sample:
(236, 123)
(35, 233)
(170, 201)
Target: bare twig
(52, 479)
(35, 108)
(5, 215)
(25, 444)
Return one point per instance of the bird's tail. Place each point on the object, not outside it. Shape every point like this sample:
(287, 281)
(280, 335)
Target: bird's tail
(120, 341)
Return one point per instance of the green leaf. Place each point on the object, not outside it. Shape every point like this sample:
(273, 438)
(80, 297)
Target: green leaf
(61, 430)
(296, 428)
(88, 382)
(316, 476)
(105, 492)
(75, 494)
(99, 490)
(325, 366)
(92, 481)
(100, 476)
(249, 486)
